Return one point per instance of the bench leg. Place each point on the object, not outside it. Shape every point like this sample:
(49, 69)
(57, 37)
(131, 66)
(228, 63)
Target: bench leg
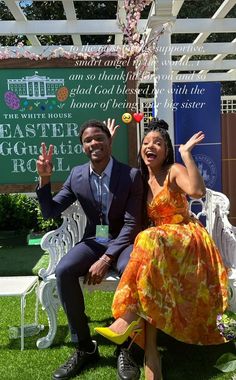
(50, 303)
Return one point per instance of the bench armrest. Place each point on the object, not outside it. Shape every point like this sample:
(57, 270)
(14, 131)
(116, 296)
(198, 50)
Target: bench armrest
(58, 242)
(215, 207)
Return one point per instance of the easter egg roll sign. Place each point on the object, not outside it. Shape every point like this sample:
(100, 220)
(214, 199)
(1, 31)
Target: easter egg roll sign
(49, 105)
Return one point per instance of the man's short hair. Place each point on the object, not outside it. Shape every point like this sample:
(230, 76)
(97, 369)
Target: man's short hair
(93, 124)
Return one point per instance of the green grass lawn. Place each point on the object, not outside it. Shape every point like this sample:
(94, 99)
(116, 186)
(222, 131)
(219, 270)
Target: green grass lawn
(180, 361)
(17, 258)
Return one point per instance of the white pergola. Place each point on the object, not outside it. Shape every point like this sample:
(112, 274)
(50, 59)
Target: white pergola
(174, 61)
(161, 12)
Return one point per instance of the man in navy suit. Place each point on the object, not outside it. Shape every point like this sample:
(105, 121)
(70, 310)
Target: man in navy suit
(110, 194)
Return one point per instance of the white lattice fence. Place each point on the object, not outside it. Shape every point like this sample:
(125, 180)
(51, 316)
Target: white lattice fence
(228, 104)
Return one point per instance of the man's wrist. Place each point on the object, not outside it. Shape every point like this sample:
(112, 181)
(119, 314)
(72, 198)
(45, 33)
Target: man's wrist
(44, 181)
(107, 259)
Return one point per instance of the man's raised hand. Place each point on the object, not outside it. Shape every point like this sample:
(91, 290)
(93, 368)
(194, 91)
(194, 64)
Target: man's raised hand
(44, 162)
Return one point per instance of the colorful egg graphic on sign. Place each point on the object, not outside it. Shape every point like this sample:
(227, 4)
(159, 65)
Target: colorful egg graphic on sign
(62, 94)
(12, 100)
(126, 118)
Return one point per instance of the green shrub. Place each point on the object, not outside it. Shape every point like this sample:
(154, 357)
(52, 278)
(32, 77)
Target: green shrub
(17, 212)
(46, 225)
(21, 212)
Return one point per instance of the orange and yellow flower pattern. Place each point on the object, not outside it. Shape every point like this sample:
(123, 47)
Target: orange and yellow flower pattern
(175, 278)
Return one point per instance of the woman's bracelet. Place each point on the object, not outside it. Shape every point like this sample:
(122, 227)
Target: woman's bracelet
(105, 261)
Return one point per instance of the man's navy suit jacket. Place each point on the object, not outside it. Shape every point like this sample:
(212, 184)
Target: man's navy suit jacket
(124, 203)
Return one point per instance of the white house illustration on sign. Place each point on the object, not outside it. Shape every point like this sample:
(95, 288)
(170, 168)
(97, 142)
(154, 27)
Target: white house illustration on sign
(35, 86)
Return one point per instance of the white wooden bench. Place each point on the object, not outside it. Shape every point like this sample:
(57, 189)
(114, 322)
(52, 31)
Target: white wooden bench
(214, 208)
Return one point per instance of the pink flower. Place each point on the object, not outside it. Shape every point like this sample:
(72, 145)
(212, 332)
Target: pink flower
(135, 46)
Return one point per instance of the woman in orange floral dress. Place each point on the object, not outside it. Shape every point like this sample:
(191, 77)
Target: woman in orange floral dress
(175, 279)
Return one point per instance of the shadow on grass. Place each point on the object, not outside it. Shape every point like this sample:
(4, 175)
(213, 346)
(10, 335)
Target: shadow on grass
(9, 239)
(62, 337)
(180, 360)
(19, 261)
(190, 362)
(30, 342)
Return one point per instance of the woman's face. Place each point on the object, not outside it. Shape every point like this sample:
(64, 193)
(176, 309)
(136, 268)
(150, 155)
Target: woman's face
(153, 150)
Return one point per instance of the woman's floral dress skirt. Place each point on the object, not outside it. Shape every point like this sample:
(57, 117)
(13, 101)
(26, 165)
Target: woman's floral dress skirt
(175, 278)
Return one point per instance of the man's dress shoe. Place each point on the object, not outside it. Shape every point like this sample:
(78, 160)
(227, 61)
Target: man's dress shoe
(127, 369)
(75, 363)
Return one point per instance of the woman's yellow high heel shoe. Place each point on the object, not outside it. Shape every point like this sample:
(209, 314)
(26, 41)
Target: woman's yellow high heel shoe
(119, 338)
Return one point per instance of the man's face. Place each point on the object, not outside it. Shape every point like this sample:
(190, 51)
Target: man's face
(96, 145)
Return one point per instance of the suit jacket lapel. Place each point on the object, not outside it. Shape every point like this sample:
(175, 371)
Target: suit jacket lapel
(115, 176)
(86, 188)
